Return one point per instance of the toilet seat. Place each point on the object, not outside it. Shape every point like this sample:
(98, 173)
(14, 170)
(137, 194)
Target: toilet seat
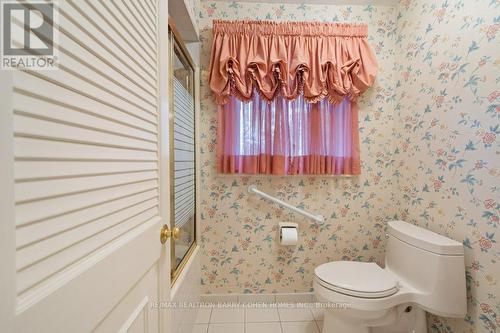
(358, 279)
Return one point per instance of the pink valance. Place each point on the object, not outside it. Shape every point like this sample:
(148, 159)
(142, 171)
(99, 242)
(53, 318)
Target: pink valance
(316, 60)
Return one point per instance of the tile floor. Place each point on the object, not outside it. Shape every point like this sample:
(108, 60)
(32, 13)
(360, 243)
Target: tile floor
(270, 318)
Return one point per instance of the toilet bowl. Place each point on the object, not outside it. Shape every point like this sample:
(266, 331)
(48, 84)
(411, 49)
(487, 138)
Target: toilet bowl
(423, 272)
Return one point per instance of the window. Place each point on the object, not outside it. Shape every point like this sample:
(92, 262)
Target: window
(288, 137)
(287, 95)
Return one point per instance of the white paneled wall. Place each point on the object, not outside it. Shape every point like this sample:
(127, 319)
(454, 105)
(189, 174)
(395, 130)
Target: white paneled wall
(186, 293)
(86, 145)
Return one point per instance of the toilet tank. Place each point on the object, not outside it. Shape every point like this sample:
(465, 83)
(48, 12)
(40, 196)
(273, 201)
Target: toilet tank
(430, 264)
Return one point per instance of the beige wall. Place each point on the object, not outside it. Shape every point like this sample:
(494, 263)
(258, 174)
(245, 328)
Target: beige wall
(239, 251)
(447, 127)
(429, 146)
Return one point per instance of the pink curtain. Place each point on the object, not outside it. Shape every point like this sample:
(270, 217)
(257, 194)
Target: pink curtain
(317, 60)
(288, 137)
(287, 95)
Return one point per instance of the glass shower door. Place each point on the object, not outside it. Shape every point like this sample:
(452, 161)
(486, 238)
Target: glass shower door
(182, 154)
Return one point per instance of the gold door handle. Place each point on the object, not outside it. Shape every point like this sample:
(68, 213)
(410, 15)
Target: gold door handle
(166, 233)
(176, 233)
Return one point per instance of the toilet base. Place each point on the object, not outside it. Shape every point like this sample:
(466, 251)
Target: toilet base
(395, 320)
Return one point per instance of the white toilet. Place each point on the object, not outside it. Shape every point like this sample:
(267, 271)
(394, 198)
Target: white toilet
(423, 271)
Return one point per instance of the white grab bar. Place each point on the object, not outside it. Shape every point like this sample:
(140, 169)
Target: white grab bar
(317, 218)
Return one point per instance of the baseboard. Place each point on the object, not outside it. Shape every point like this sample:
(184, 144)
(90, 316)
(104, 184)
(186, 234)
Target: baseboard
(259, 298)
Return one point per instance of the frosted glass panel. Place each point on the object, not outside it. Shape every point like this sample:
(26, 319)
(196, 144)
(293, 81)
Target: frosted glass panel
(183, 166)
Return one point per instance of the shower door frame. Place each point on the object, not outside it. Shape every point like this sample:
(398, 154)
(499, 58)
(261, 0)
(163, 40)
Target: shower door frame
(176, 39)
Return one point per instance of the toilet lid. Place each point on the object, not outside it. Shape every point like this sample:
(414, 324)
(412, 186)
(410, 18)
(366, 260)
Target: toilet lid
(359, 279)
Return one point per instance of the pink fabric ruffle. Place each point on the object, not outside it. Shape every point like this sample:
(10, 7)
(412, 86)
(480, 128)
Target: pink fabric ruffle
(318, 60)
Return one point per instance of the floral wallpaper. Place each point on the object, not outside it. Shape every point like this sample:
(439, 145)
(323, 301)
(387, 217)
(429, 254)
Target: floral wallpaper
(193, 9)
(430, 155)
(447, 152)
(240, 252)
